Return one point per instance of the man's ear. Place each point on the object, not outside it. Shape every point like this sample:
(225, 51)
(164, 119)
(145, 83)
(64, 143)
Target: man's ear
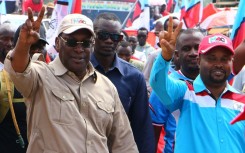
(57, 44)
(198, 60)
(176, 54)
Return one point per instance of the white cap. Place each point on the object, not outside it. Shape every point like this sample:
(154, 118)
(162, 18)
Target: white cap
(73, 22)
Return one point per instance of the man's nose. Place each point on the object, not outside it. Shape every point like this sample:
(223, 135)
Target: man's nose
(79, 48)
(193, 52)
(9, 43)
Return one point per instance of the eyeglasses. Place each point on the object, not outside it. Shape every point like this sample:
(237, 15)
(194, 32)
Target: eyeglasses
(105, 35)
(73, 42)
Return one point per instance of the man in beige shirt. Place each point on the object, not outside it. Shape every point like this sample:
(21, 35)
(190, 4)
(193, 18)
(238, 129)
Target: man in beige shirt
(71, 108)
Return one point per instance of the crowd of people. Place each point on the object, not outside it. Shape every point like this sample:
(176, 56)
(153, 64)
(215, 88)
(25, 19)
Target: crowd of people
(109, 92)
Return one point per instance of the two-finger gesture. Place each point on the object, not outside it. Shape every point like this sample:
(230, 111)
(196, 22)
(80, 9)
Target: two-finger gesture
(29, 33)
(168, 40)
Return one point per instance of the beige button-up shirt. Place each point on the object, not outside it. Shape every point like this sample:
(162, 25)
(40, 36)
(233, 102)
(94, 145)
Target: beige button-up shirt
(66, 115)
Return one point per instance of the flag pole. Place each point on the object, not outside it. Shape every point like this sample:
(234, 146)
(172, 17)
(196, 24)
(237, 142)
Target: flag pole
(126, 19)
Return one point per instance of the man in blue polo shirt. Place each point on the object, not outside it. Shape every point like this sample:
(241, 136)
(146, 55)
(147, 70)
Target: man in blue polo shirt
(128, 80)
(186, 51)
(207, 106)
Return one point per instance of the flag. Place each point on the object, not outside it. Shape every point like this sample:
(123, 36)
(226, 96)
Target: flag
(60, 10)
(75, 6)
(176, 7)
(209, 10)
(193, 13)
(183, 8)
(129, 23)
(3, 7)
(170, 5)
(141, 16)
(237, 34)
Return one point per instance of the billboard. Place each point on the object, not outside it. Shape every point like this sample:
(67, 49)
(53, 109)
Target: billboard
(121, 8)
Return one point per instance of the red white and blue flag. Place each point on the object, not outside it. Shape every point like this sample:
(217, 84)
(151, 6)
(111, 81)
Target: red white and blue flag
(75, 6)
(193, 13)
(176, 6)
(170, 5)
(141, 16)
(210, 9)
(238, 34)
(183, 8)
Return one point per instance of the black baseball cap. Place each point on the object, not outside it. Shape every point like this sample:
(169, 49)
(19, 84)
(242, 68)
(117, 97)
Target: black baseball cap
(42, 34)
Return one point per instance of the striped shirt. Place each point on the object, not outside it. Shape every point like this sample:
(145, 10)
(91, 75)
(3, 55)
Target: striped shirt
(204, 123)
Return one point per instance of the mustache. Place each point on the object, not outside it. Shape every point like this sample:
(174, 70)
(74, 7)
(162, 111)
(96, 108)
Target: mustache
(218, 69)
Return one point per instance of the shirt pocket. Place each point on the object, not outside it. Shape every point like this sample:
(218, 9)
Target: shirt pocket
(104, 113)
(62, 107)
(105, 106)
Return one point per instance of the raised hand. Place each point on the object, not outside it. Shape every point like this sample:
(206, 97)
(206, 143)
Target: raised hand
(168, 40)
(29, 32)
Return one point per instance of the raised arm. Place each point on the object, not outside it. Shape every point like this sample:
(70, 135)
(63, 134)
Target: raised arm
(169, 91)
(29, 34)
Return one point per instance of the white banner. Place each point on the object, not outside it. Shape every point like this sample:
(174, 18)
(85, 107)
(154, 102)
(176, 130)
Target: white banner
(59, 12)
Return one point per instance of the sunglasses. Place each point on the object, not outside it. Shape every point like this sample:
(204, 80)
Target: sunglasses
(70, 42)
(105, 35)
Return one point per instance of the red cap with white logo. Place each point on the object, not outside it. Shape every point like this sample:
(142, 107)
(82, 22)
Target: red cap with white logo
(215, 40)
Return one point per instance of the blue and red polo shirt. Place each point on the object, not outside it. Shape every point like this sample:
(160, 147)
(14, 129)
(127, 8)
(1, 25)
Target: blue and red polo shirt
(204, 122)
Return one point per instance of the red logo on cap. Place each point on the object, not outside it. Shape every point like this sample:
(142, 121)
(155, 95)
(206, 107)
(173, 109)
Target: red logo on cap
(217, 39)
(78, 20)
(82, 21)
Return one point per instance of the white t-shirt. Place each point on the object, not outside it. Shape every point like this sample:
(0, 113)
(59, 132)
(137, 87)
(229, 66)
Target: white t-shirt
(140, 55)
